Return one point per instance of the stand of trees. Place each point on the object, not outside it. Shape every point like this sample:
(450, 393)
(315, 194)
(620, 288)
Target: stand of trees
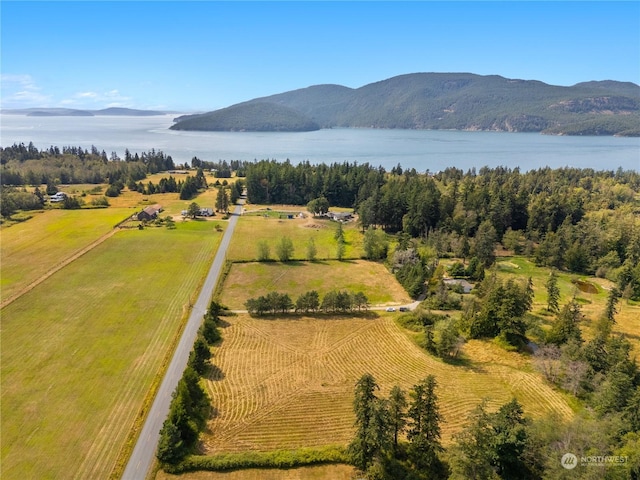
(335, 301)
(398, 438)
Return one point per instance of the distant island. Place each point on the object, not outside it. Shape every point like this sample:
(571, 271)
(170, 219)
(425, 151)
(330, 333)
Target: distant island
(438, 101)
(71, 112)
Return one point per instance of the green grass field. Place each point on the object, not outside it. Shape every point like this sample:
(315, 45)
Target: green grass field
(31, 248)
(81, 351)
(250, 280)
(253, 228)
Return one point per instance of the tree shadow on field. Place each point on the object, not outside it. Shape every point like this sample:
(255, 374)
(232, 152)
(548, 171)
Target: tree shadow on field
(222, 323)
(214, 373)
(465, 363)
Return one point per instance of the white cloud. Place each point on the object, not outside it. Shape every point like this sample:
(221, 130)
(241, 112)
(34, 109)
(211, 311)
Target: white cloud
(97, 100)
(21, 91)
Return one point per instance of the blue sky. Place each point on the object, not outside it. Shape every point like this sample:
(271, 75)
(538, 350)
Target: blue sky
(206, 55)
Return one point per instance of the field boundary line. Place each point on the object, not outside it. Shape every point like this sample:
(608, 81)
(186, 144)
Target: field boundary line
(57, 268)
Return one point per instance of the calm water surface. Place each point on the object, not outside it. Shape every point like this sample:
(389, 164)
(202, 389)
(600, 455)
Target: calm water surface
(422, 150)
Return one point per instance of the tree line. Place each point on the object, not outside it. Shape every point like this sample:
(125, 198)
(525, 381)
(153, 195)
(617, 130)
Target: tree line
(334, 301)
(190, 405)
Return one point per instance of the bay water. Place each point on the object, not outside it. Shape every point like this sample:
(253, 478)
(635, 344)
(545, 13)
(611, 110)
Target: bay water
(424, 150)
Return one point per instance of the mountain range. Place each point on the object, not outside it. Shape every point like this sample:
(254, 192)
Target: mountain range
(72, 112)
(438, 101)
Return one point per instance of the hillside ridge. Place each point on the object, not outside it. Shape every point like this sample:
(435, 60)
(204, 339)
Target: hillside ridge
(441, 101)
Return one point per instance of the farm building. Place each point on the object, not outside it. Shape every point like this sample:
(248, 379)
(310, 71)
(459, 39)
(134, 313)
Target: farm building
(340, 216)
(149, 213)
(206, 212)
(466, 286)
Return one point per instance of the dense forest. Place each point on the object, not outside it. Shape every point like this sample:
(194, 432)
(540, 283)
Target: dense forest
(22, 164)
(545, 205)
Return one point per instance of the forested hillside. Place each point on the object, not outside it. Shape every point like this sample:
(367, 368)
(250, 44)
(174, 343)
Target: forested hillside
(456, 101)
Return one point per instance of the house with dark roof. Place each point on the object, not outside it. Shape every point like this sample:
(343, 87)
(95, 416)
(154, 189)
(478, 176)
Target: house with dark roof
(466, 286)
(149, 213)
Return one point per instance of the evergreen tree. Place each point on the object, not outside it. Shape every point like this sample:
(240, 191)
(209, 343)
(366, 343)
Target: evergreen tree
(610, 308)
(200, 355)
(222, 200)
(397, 413)
(553, 292)
(485, 243)
(171, 448)
(566, 326)
(366, 444)
(424, 427)
(509, 442)
(472, 455)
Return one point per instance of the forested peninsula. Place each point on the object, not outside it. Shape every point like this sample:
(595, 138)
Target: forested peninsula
(438, 101)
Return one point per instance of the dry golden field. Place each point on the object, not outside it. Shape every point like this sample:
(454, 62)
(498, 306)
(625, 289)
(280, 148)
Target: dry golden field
(288, 383)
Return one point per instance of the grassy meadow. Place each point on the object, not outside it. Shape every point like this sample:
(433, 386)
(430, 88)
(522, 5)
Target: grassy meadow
(82, 350)
(250, 280)
(258, 224)
(31, 248)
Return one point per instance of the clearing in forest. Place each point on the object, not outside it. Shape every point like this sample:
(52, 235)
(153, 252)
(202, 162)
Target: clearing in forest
(590, 292)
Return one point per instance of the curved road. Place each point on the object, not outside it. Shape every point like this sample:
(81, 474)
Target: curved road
(144, 452)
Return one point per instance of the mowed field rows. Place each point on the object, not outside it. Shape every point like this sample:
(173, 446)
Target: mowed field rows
(288, 383)
(82, 349)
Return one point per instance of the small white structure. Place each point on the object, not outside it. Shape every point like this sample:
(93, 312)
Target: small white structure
(340, 216)
(57, 197)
